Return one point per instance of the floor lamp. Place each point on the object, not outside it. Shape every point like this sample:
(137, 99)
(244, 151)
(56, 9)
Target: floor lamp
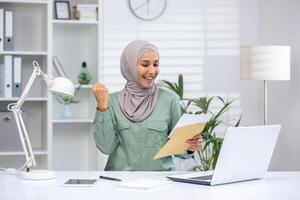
(270, 62)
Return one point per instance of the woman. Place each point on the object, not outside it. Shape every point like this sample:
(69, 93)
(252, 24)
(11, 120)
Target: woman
(133, 124)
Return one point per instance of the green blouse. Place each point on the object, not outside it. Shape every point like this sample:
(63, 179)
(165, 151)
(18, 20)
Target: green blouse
(132, 145)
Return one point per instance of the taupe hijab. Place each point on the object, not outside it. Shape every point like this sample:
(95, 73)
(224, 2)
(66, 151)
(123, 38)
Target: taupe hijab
(136, 102)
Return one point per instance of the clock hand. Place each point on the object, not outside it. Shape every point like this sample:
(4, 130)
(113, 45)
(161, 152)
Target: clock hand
(141, 5)
(138, 7)
(148, 6)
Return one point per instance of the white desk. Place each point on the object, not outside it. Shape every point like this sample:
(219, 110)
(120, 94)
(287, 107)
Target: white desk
(275, 185)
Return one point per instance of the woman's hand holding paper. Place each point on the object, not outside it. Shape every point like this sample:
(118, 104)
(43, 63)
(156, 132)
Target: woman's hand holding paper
(195, 144)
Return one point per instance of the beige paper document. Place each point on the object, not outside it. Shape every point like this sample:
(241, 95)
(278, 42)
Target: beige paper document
(177, 142)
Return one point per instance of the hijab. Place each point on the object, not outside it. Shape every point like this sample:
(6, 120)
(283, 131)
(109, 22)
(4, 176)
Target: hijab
(136, 102)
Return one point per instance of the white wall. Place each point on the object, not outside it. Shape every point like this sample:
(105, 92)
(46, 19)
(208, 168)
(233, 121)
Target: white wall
(280, 24)
(252, 92)
(221, 72)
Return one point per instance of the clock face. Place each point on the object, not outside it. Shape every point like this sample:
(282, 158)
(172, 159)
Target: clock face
(147, 9)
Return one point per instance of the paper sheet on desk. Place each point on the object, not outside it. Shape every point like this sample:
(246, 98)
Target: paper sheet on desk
(186, 128)
(144, 184)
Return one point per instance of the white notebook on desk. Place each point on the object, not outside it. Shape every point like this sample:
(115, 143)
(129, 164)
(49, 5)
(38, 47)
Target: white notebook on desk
(144, 184)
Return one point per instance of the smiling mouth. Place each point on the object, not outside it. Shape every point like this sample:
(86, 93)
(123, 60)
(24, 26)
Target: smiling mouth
(149, 78)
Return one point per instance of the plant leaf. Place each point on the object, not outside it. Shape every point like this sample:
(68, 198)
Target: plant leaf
(180, 86)
(238, 122)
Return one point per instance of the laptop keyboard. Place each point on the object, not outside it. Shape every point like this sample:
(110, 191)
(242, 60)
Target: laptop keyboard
(202, 177)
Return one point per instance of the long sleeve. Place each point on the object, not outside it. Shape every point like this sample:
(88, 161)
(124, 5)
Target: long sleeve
(105, 133)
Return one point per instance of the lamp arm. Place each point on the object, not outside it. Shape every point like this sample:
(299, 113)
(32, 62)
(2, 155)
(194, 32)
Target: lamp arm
(36, 72)
(25, 92)
(26, 145)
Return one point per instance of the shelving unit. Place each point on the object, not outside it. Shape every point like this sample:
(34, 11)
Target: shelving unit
(73, 138)
(59, 144)
(31, 42)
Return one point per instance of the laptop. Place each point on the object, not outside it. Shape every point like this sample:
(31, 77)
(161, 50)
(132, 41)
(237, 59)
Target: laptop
(245, 155)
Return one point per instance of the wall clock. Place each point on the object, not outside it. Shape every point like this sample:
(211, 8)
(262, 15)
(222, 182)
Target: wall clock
(147, 9)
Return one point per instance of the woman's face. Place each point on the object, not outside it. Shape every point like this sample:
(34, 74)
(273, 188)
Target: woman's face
(147, 69)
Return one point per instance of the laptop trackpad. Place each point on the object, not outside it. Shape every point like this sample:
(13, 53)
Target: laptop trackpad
(202, 177)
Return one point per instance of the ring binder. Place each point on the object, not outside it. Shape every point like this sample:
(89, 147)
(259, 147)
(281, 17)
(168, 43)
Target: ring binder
(9, 30)
(1, 29)
(7, 76)
(17, 76)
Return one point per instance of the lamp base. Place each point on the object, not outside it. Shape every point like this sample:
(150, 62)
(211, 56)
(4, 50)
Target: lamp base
(38, 175)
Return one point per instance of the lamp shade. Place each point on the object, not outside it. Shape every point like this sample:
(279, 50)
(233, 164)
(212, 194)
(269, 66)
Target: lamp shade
(62, 86)
(265, 62)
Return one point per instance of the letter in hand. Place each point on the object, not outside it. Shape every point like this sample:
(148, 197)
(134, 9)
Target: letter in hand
(101, 94)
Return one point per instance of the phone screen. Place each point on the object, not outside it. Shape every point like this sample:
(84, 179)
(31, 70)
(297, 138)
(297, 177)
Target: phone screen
(80, 182)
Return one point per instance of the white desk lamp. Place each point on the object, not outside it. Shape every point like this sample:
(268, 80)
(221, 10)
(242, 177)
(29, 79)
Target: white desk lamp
(265, 63)
(58, 85)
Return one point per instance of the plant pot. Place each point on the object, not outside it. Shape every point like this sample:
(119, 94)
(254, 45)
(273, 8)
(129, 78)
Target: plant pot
(66, 112)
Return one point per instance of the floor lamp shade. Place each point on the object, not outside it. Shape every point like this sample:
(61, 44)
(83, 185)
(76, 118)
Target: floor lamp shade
(265, 62)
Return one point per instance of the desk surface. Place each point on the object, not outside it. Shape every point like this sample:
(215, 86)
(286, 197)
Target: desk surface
(275, 185)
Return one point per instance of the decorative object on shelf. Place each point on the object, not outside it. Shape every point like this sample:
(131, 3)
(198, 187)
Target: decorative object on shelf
(58, 85)
(66, 112)
(84, 76)
(148, 9)
(208, 155)
(76, 12)
(66, 101)
(85, 12)
(62, 10)
(265, 62)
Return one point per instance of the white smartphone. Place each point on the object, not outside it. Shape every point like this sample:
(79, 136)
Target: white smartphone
(80, 182)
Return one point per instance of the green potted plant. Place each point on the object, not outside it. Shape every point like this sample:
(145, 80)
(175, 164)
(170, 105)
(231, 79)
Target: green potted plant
(178, 89)
(66, 101)
(208, 155)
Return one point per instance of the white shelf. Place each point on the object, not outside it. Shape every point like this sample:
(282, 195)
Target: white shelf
(27, 99)
(17, 153)
(57, 21)
(89, 86)
(26, 53)
(73, 121)
(25, 1)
